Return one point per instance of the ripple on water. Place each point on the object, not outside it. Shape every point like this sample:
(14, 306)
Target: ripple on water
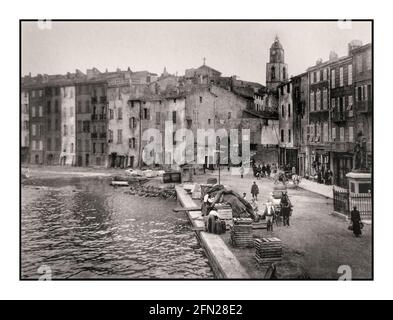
(83, 228)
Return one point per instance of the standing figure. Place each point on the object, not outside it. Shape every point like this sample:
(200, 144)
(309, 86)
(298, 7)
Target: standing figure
(264, 169)
(268, 170)
(285, 209)
(259, 172)
(269, 214)
(356, 222)
(254, 191)
(241, 171)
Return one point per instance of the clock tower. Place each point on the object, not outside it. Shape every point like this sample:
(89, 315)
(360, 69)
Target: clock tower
(276, 68)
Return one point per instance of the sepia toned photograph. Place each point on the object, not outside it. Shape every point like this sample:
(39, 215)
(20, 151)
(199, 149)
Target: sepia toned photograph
(196, 150)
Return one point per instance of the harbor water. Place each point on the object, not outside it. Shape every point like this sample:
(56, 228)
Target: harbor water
(82, 228)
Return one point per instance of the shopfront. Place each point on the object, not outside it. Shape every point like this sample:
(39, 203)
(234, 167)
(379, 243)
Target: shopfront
(319, 161)
(342, 164)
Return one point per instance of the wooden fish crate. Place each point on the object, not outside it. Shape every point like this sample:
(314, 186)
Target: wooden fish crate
(268, 250)
(241, 233)
(224, 212)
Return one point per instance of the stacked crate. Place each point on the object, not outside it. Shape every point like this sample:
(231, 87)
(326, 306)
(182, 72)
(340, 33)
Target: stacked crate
(268, 250)
(224, 212)
(241, 233)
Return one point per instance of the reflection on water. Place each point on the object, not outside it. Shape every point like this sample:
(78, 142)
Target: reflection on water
(83, 228)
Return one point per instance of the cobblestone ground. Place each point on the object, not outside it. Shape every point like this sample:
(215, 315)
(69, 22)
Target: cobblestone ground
(316, 241)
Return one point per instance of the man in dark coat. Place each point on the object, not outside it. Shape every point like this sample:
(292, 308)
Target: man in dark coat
(356, 222)
(254, 191)
(263, 169)
(259, 172)
(268, 170)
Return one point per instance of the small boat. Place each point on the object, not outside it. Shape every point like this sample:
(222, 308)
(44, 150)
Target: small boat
(116, 183)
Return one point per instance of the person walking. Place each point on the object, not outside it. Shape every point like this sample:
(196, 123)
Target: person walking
(241, 171)
(254, 191)
(356, 221)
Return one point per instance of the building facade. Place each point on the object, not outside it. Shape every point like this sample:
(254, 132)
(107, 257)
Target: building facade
(300, 112)
(83, 124)
(319, 117)
(54, 131)
(98, 103)
(342, 119)
(68, 126)
(363, 102)
(288, 145)
(24, 126)
(37, 121)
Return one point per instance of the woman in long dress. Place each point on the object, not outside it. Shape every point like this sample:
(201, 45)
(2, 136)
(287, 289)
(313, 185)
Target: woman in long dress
(356, 222)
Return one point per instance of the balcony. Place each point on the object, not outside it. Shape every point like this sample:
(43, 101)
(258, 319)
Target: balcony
(342, 146)
(317, 141)
(339, 116)
(364, 106)
(266, 113)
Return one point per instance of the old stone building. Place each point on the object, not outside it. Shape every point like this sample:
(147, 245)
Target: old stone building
(54, 131)
(300, 115)
(83, 124)
(342, 118)
(68, 125)
(121, 124)
(37, 123)
(288, 145)
(98, 98)
(24, 126)
(319, 116)
(202, 75)
(363, 93)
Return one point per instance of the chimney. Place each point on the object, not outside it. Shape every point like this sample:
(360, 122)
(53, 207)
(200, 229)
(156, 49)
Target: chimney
(333, 56)
(353, 45)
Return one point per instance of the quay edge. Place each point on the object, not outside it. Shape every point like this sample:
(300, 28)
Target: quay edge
(224, 263)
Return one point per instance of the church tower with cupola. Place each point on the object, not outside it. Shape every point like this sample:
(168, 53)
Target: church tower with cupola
(276, 68)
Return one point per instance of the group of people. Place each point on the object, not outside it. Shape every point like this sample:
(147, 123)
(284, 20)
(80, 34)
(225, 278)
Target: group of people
(324, 175)
(264, 170)
(270, 212)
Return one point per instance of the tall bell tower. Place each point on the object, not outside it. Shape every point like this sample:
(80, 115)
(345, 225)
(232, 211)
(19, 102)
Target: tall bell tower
(276, 68)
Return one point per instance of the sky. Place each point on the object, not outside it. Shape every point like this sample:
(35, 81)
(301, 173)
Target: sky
(233, 48)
